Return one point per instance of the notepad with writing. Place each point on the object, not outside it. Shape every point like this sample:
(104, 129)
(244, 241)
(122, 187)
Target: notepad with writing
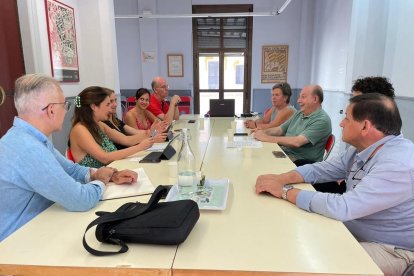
(141, 187)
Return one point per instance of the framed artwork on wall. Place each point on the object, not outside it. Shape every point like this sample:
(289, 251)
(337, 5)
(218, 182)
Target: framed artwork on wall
(175, 65)
(274, 63)
(62, 41)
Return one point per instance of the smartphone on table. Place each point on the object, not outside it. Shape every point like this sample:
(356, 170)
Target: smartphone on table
(279, 154)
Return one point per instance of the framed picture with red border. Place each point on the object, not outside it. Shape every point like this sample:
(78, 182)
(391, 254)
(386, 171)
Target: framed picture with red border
(62, 41)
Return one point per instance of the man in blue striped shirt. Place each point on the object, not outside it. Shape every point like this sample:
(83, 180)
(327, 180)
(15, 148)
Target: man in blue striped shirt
(378, 205)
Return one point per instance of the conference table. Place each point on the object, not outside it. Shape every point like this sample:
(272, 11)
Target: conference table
(253, 235)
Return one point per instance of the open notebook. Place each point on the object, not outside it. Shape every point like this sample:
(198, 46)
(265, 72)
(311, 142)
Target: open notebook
(141, 187)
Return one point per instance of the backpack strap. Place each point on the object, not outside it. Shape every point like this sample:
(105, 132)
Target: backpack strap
(136, 210)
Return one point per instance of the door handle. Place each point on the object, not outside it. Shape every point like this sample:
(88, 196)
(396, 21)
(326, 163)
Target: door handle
(2, 95)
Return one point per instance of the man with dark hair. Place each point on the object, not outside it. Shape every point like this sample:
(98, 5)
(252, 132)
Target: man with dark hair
(361, 86)
(378, 205)
(304, 135)
(373, 85)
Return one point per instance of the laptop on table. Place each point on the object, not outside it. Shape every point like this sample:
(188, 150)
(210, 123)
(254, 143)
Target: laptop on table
(222, 108)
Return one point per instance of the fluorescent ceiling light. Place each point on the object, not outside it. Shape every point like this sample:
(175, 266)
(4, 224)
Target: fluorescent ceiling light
(148, 14)
(283, 7)
(197, 15)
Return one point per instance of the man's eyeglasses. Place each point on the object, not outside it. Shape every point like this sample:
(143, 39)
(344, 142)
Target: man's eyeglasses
(66, 105)
(357, 174)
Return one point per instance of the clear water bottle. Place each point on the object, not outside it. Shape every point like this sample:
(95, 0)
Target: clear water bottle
(186, 166)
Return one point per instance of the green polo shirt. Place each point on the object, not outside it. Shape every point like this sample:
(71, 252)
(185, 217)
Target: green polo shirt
(316, 128)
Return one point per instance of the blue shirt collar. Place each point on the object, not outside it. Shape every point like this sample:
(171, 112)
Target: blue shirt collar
(22, 124)
(364, 155)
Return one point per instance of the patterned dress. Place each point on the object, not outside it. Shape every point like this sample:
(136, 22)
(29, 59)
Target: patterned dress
(143, 126)
(107, 145)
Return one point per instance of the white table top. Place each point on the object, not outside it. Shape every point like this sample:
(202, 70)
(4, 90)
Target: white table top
(259, 233)
(255, 233)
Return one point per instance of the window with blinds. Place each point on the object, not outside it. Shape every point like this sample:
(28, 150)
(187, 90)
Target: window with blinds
(213, 33)
(222, 55)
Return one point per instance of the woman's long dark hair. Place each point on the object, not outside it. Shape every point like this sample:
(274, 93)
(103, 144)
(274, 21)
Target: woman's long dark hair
(83, 111)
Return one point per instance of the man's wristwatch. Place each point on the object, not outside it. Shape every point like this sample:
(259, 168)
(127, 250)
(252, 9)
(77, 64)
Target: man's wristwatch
(286, 188)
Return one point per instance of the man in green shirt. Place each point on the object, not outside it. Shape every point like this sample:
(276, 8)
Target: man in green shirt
(304, 135)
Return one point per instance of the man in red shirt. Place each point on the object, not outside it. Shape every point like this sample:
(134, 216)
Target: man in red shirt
(158, 106)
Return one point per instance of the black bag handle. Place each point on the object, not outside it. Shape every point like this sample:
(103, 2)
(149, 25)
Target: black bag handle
(137, 210)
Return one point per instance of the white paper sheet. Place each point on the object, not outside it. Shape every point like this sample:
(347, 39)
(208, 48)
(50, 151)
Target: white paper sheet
(244, 143)
(158, 147)
(141, 187)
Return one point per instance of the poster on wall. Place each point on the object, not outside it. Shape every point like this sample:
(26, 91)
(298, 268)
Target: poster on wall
(62, 41)
(274, 63)
(149, 57)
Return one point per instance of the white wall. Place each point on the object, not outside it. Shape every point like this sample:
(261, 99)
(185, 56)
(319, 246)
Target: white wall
(165, 36)
(292, 27)
(381, 42)
(329, 57)
(96, 42)
(330, 48)
(367, 39)
(354, 39)
(128, 46)
(399, 45)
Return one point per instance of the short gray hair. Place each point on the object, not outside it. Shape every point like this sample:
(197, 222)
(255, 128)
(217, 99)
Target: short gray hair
(28, 88)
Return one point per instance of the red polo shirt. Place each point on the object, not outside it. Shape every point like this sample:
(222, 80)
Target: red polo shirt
(157, 107)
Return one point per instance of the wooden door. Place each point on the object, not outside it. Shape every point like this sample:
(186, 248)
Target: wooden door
(11, 60)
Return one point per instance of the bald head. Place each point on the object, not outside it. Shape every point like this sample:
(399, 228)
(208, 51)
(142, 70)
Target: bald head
(157, 82)
(160, 87)
(317, 91)
(310, 99)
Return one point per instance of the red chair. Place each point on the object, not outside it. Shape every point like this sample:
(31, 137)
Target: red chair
(185, 105)
(69, 155)
(131, 102)
(329, 146)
